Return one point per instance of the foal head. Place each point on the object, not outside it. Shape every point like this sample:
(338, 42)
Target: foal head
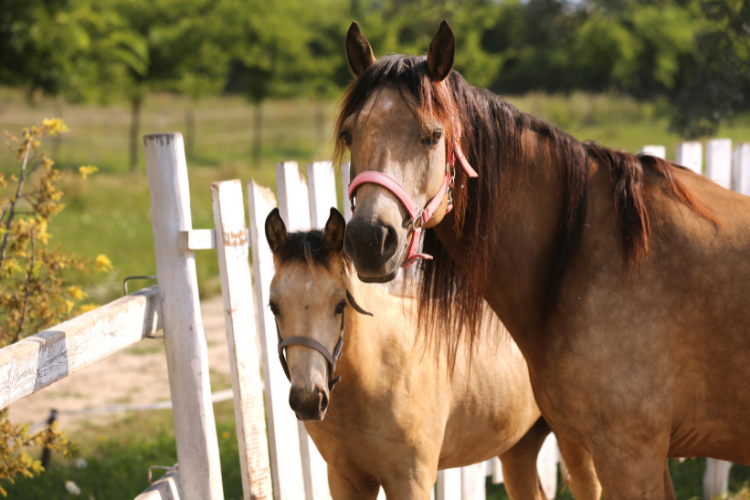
(308, 297)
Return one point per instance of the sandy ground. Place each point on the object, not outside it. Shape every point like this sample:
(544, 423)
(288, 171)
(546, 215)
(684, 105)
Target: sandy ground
(137, 375)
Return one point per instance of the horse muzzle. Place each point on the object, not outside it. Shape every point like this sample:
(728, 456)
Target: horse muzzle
(376, 249)
(309, 403)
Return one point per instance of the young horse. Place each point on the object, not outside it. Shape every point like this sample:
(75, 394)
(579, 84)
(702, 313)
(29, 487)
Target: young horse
(624, 280)
(397, 415)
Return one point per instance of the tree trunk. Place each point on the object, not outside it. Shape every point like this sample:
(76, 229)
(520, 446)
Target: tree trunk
(135, 125)
(258, 135)
(190, 133)
(56, 139)
(320, 126)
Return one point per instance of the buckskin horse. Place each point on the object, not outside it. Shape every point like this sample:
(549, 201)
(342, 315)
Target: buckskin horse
(398, 414)
(624, 280)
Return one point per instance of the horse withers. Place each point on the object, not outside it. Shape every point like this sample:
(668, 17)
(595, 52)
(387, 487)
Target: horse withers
(623, 279)
(392, 414)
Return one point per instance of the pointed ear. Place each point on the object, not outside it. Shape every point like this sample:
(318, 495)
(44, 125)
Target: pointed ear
(334, 231)
(275, 231)
(358, 51)
(441, 53)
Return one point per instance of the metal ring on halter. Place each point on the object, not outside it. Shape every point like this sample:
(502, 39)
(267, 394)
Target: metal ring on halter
(418, 221)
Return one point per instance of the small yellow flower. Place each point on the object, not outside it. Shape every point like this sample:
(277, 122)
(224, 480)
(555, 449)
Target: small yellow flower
(76, 293)
(87, 308)
(225, 435)
(102, 263)
(55, 126)
(86, 170)
(69, 304)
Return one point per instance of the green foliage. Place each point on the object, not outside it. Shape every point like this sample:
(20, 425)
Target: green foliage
(33, 292)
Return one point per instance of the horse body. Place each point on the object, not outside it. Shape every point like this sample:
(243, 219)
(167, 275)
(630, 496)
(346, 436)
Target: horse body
(399, 414)
(642, 352)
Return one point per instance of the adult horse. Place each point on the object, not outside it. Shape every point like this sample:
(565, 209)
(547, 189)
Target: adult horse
(398, 415)
(624, 280)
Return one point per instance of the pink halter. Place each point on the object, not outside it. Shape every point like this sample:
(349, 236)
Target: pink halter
(419, 216)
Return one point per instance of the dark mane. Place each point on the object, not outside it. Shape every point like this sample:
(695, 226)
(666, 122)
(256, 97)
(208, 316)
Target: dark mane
(308, 247)
(494, 145)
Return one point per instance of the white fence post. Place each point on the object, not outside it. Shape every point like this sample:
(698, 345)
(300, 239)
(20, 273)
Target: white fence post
(716, 479)
(346, 180)
(244, 358)
(546, 465)
(497, 471)
(741, 169)
(294, 206)
(187, 360)
(657, 151)
(472, 482)
(449, 484)
(690, 155)
(283, 433)
(322, 190)
(719, 162)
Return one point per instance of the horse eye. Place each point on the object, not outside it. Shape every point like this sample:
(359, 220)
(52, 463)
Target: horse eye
(340, 307)
(434, 138)
(346, 138)
(274, 308)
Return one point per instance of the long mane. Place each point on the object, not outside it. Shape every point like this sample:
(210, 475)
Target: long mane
(493, 142)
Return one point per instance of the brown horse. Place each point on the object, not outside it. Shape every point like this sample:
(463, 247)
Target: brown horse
(398, 415)
(624, 280)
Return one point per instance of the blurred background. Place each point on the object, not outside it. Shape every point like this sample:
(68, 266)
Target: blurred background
(253, 82)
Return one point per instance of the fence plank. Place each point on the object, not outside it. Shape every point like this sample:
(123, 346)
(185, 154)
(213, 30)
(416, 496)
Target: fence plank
(497, 471)
(653, 150)
(716, 479)
(198, 239)
(690, 155)
(35, 362)
(293, 201)
(719, 162)
(546, 465)
(449, 484)
(741, 169)
(283, 433)
(166, 488)
(185, 342)
(244, 358)
(472, 482)
(322, 180)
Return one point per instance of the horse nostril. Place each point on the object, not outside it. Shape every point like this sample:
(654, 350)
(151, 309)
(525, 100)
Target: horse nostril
(371, 242)
(389, 242)
(322, 401)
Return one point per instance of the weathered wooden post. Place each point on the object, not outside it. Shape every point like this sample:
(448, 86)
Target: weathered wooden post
(242, 339)
(449, 484)
(472, 482)
(690, 155)
(283, 431)
(719, 162)
(185, 342)
(653, 150)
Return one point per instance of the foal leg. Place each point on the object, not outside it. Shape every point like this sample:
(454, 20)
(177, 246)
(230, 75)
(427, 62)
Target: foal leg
(519, 464)
(350, 488)
(580, 466)
(413, 486)
(632, 470)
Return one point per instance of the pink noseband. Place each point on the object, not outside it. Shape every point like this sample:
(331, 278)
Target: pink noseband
(419, 216)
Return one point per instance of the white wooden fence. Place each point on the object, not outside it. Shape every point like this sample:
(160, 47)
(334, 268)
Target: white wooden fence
(278, 461)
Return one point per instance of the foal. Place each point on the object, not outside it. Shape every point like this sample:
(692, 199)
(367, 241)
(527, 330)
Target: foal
(398, 416)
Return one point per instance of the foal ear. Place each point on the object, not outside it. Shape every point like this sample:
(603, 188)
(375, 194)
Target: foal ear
(334, 232)
(275, 231)
(358, 51)
(441, 53)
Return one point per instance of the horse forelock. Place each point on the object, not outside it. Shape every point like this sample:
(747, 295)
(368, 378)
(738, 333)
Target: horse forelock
(499, 140)
(308, 247)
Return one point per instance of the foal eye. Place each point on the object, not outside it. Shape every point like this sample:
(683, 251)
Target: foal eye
(274, 308)
(340, 307)
(433, 138)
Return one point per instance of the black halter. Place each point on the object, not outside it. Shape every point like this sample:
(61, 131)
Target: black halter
(332, 358)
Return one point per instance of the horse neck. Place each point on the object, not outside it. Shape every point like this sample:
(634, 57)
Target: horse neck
(522, 249)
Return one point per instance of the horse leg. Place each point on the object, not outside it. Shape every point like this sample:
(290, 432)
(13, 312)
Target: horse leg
(580, 466)
(668, 485)
(519, 464)
(350, 488)
(414, 484)
(627, 471)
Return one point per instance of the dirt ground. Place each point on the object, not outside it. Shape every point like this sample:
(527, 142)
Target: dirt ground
(134, 376)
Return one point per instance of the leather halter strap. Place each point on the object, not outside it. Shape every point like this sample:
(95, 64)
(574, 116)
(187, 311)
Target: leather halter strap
(331, 358)
(418, 215)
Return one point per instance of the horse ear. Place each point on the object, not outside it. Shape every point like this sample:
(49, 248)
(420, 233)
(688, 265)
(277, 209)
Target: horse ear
(275, 231)
(441, 53)
(334, 231)
(358, 51)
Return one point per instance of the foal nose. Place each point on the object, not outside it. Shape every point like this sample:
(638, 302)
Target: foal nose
(370, 245)
(308, 404)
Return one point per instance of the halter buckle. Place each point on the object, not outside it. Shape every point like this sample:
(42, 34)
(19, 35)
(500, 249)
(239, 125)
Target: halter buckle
(418, 221)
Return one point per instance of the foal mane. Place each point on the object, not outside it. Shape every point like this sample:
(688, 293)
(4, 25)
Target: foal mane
(493, 142)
